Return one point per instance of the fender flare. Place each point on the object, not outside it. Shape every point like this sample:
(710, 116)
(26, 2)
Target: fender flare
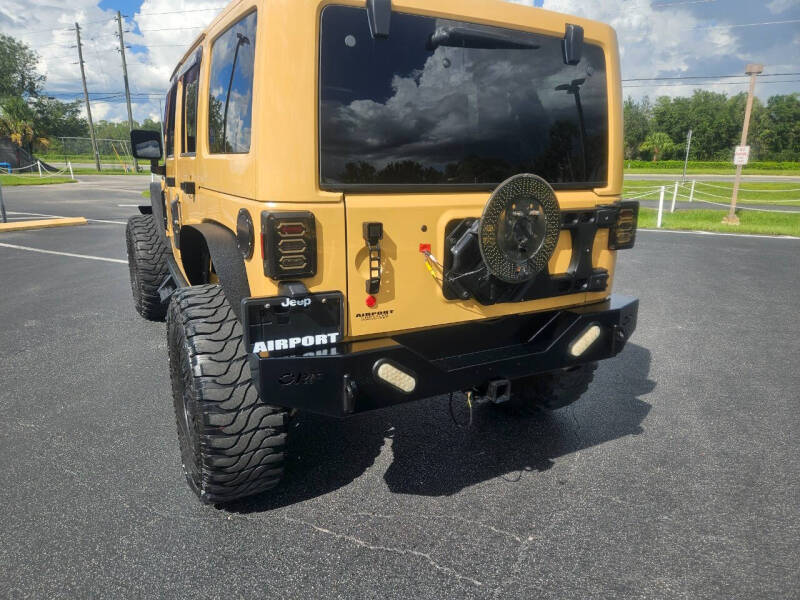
(228, 261)
(158, 204)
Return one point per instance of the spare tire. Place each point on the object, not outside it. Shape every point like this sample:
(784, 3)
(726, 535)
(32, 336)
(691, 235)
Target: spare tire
(519, 229)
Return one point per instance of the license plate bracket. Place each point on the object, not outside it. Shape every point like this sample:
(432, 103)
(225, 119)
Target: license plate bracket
(284, 325)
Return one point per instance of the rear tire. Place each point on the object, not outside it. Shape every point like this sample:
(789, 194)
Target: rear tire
(550, 391)
(147, 262)
(232, 443)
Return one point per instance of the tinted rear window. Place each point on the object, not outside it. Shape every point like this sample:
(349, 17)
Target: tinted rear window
(444, 102)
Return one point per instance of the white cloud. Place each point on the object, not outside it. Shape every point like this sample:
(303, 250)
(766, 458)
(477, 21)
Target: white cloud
(652, 42)
(779, 6)
(164, 26)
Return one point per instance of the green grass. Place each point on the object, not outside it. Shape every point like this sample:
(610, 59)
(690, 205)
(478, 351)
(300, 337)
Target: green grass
(56, 157)
(14, 180)
(105, 171)
(711, 220)
(698, 167)
(778, 194)
(710, 171)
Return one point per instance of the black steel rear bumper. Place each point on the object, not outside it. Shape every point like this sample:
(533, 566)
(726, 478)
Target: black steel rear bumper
(342, 380)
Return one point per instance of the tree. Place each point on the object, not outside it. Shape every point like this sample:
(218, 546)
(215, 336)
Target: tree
(778, 128)
(659, 143)
(18, 69)
(150, 125)
(637, 125)
(53, 118)
(18, 122)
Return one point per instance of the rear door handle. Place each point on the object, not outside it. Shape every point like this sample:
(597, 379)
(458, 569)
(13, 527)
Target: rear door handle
(187, 187)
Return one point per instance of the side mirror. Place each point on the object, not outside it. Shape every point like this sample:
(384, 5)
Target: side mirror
(146, 144)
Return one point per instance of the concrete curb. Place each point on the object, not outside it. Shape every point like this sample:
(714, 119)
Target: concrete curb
(42, 224)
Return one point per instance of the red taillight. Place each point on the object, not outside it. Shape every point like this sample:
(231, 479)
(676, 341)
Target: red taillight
(291, 229)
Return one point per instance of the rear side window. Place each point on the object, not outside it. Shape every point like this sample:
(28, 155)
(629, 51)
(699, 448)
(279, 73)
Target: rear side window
(230, 101)
(169, 119)
(190, 81)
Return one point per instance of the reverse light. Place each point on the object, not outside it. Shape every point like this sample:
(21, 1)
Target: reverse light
(623, 232)
(289, 244)
(394, 376)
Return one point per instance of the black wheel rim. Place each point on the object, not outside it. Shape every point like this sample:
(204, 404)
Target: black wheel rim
(186, 416)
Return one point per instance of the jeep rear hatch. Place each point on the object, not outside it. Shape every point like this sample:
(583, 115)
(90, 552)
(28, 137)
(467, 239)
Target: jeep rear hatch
(418, 128)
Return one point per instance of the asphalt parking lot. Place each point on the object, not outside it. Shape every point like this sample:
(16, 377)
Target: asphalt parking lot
(676, 476)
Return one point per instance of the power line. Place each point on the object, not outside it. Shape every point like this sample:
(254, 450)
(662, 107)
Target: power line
(176, 28)
(668, 4)
(175, 12)
(731, 26)
(707, 77)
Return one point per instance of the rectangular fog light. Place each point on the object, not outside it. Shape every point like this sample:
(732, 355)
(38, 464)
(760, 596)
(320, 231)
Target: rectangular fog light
(582, 343)
(397, 378)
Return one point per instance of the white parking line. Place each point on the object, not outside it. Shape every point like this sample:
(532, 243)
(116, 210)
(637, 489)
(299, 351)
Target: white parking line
(86, 256)
(719, 233)
(108, 189)
(11, 212)
(123, 223)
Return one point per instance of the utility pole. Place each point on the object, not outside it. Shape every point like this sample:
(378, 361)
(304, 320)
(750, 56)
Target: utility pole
(125, 78)
(688, 147)
(753, 70)
(86, 95)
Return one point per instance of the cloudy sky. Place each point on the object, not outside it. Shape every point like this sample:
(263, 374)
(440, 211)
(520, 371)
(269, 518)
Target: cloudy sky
(658, 38)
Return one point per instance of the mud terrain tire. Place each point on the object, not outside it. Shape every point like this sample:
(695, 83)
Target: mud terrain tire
(232, 443)
(147, 262)
(550, 391)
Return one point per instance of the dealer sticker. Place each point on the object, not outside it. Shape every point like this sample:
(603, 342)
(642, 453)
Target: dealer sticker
(293, 343)
(375, 316)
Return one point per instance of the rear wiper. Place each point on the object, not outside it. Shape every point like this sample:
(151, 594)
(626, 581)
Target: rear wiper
(475, 37)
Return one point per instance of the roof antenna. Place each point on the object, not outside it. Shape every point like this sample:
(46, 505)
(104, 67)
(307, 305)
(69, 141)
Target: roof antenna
(379, 13)
(572, 44)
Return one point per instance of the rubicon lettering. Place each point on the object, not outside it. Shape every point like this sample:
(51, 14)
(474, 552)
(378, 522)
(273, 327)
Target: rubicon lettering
(307, 341)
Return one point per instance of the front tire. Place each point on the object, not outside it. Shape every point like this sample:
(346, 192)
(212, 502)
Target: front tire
(147, 262)
(550, 391)
(232, 443)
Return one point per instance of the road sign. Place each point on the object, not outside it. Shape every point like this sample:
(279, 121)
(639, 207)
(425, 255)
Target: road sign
(741, 155)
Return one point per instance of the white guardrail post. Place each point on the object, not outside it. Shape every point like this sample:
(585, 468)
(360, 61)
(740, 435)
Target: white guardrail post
(691, 194)
(39, 164)
(660, 207)
(71, 174)
(674, 197)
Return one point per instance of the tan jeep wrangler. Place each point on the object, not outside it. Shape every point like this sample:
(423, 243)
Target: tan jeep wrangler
(369, 203)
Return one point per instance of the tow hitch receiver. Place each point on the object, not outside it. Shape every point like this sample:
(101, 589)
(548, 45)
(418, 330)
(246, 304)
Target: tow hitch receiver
(498, 391)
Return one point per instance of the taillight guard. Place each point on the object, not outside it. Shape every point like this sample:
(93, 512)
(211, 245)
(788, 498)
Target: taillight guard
(622, 235)
(289, 245)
